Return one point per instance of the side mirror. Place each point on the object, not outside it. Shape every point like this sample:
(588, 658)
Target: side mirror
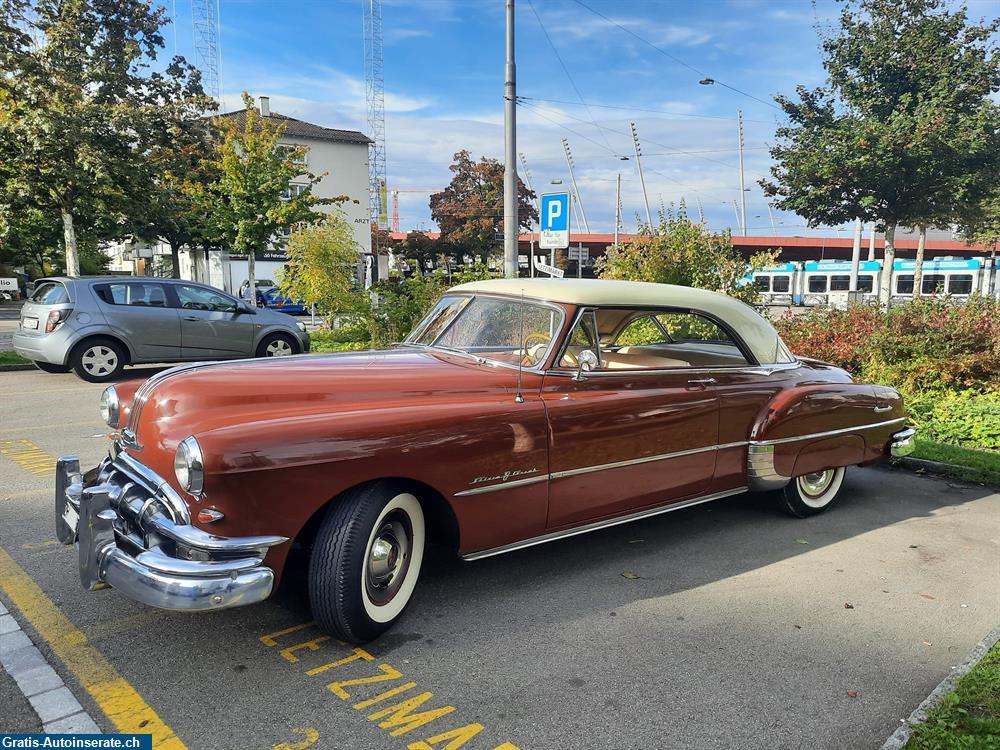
(244, 309)
(587, 361)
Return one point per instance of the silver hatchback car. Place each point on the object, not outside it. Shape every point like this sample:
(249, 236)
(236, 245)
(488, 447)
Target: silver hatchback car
(97, 326)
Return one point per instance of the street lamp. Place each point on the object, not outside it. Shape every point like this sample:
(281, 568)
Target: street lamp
(706, 81)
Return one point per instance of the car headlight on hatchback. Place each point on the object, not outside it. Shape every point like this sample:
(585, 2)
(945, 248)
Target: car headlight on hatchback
(189, 466)
(110, 406)
(301, 325)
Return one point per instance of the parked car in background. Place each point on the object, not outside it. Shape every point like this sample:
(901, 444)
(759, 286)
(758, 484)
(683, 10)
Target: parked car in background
(273, 299)
(518, 412)
(97, 326)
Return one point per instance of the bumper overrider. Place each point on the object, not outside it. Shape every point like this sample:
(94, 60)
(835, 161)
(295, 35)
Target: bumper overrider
(133, 532)
(902, 442)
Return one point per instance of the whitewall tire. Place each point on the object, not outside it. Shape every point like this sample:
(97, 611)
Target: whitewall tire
(366, 561)
(812, 493)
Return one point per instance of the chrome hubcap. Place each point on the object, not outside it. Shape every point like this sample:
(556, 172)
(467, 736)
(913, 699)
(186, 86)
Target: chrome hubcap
(817, 483)
(99, 360)
(388, 558)
(279, 348)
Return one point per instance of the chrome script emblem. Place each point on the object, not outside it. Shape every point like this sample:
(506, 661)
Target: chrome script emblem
(509, 474)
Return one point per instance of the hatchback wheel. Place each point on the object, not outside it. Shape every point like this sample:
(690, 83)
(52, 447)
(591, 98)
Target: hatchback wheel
(812, 493)
(98, 360)
(366, 561)
(277, 345)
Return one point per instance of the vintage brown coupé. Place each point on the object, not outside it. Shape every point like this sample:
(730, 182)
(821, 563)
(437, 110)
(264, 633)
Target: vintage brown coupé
(517, 412)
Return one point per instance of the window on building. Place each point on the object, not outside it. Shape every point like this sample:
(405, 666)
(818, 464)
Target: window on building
(132, 293)
(294, 190)
(290, 148)
(781, 284)
(866, 283)
(932, 283)
(762, 283)
(817, 284)
(960, 283)
(840, 283)
(904, 284)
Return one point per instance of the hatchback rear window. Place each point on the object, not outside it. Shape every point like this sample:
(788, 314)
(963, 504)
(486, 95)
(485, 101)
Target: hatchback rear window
(50, 293)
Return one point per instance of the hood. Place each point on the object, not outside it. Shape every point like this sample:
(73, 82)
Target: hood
(199, 399)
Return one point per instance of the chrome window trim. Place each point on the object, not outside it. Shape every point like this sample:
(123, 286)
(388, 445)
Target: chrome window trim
(765, 370)
(595, 526)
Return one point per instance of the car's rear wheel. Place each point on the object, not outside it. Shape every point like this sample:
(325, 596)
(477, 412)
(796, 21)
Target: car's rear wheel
(98, 360)
(277, 345)
(812, 493)
(366, 561)
(49, 367)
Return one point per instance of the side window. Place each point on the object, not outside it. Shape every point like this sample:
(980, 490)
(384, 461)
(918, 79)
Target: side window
(932, 283)
(817, 284)
(762, 283)
(904, 284)
(960, 284)
(781, 284)
(583, 336)
(865, 283)
(644, 330)
(840, 283)
(132, 294)
(200, 298)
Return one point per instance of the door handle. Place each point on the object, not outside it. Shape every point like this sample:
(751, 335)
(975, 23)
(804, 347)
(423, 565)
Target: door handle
(880, 409)
(192, 318)
(702, 381)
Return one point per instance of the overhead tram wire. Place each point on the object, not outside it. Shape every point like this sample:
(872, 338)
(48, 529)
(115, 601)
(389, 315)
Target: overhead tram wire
(624, 108)
(569, 77)
(676, 59)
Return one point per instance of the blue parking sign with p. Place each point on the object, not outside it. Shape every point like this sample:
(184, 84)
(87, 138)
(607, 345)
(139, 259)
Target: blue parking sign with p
(554, 221)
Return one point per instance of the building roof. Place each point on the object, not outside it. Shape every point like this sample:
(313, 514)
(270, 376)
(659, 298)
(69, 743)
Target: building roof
(755, 330)
(302, 129)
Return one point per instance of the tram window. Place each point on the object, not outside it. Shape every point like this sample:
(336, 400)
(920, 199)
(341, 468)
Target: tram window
(781, 283)
(904, 284)
(960, 284)
(866, 283)
(817, 284)
(932, 283)
(840, 283)
(762, 283)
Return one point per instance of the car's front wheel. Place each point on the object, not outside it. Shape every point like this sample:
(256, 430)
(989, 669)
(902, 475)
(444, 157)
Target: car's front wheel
(49, 367)
(366, 561)
(812, 493)
(98, 360)
(277, 345)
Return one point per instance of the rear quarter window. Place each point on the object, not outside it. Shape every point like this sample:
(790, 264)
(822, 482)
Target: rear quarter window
(50, 293)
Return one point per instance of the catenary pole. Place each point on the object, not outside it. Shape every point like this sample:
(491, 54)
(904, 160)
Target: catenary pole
(572, 181)
(642, 180)
(510, 223)
(743, 190)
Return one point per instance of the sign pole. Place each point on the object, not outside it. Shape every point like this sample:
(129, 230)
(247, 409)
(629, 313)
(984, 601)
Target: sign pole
(510, 202)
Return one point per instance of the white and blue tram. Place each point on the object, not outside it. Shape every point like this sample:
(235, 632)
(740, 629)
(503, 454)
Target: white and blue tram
(811, 283)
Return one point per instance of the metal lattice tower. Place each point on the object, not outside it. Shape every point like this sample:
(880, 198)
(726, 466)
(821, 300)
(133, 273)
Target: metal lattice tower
(375, 96)
(205, 19)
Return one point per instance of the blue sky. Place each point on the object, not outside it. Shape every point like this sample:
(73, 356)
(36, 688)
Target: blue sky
(444, 64)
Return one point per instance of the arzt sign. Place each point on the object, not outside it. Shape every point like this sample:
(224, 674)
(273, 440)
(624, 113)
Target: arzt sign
(553, 224)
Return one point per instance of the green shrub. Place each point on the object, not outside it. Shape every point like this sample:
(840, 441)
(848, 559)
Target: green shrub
(965, 418)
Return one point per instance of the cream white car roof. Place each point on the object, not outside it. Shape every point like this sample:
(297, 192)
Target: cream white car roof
(755, 330)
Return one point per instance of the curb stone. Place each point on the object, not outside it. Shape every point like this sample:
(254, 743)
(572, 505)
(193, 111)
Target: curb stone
(935, 467)
(56, 707)
(902, 735)
(15, 368)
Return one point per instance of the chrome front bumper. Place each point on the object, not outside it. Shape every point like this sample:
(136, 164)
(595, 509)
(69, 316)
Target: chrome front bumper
(902, 442)
(132, 535)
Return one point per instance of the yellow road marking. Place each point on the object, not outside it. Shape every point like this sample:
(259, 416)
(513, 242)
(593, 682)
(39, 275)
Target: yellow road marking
(121, 702)
(311, 735)
(29, 456)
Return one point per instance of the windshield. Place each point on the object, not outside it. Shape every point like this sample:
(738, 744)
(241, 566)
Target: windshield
(507, 331)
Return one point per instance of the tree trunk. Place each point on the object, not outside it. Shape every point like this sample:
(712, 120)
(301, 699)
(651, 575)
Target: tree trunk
(918, 269)
(885, 282)
(69, 236)
(251, 268)
(175, 261)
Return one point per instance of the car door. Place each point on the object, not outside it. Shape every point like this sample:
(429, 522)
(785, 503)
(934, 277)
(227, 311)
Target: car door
(212, 325)
(140, 312)
(627, 435)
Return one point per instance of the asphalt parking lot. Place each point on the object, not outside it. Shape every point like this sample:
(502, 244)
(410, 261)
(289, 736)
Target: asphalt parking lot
(726, 625)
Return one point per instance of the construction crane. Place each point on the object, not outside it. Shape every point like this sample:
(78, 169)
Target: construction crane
(205, 19)
(375, 100)
(395, 200)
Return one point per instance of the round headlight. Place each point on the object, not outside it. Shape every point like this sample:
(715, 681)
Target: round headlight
(189, 466)
(110, 406)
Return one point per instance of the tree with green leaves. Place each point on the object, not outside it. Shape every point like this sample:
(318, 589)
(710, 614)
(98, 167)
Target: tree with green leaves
(322, 267)
(680, 251)
(469, 211)
(256, 174)
(419, 248)
(982, 226)
(903, 133)
(77, 100)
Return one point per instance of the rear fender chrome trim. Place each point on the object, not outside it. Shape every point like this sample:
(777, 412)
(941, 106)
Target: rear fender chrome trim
(828, 433)
(565, 533)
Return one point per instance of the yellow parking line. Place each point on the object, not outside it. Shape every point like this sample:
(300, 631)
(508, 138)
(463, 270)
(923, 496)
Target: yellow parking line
(121, 702)
(29, 456)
